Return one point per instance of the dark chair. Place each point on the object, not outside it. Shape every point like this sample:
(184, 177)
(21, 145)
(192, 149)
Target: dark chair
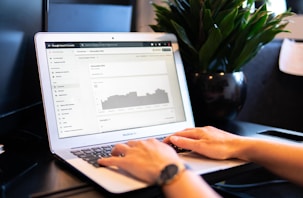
(295, 5)
(90, 15)
(273, 97)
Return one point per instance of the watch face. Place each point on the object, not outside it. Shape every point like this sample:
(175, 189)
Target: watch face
(167, 174)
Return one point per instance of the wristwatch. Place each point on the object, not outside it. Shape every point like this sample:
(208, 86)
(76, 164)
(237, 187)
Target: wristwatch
(168, 174)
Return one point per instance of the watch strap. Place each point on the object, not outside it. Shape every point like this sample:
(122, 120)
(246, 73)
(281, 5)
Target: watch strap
(170, 173)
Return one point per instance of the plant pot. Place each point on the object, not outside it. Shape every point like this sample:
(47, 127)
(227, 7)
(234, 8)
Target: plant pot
(217, 96)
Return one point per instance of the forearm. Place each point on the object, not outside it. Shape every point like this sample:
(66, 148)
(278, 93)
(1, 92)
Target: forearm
(189, 185)
(284, 160)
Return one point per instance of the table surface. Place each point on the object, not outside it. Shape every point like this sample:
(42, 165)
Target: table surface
(48, 177)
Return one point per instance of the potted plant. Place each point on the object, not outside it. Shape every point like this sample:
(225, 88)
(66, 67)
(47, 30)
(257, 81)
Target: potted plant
(218, 37)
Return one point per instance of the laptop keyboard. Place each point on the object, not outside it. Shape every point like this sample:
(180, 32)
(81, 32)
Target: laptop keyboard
(91, 155)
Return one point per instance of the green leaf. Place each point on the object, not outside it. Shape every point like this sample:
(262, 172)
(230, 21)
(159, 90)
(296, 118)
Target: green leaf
(218, 34)
(227, 24)
(189, 52)
(181, 33)
(209, 48)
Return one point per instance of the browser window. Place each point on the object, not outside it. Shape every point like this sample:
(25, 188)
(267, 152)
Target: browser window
(100, 87)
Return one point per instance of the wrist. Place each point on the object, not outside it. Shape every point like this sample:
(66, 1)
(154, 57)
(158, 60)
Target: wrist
(170, 174)
(245, 146)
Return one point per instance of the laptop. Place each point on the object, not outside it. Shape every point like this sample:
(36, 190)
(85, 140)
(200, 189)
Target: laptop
(100, 89)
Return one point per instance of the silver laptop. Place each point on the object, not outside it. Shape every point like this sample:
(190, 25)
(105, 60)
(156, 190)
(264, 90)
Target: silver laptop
(100, 89)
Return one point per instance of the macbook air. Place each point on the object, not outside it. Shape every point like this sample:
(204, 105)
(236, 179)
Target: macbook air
(100, 89)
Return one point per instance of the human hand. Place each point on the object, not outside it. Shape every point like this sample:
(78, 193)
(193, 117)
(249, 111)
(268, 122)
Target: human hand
(143, 159)
(208, 141)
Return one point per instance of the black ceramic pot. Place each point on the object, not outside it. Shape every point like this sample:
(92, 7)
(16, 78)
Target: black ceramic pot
(217, 96)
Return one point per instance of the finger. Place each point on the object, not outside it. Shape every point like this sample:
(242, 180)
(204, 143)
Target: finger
(188, 133)
(132, 143)
(119, 150)
(110, 161)
(140, 143)
(183, 142)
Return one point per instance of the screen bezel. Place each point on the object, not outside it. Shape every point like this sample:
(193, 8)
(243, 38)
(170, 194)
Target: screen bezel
(56, 142)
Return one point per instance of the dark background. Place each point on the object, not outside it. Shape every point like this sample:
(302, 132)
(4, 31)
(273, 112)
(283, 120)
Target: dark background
(19, 81)
(20, 96)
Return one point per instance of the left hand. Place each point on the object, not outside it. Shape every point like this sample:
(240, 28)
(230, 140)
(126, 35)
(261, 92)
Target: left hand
(142, 159)
(209, 141)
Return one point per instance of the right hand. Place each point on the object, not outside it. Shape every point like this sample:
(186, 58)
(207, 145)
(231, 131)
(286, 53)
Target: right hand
(143, 159)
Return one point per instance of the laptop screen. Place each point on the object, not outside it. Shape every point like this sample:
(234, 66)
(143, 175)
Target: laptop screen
(103, 87)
